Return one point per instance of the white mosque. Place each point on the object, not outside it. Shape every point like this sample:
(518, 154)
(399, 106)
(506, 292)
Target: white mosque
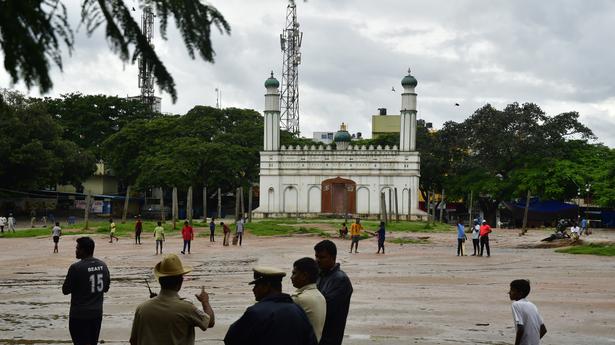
(314, 181)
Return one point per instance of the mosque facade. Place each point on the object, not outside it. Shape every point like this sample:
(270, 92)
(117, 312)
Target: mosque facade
(313, 181)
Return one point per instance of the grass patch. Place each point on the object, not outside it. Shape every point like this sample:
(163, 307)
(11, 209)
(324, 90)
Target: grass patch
(369, 225)
(27, 233)
(266, 227)
(279, 228)
(409, 241)
(405, 226)
(601, 249)
(129, 228)
(95, 227)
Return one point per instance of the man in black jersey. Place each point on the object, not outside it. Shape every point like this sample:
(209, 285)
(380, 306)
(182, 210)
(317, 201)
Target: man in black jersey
(87, 280)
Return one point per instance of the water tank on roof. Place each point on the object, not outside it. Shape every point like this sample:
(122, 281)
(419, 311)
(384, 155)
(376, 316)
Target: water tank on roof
(382, 111)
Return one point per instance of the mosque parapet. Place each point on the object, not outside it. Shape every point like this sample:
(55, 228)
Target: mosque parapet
(313, 148)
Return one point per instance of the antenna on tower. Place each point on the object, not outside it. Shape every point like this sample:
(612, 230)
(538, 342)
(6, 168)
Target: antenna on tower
(290, 42)
(146, 76)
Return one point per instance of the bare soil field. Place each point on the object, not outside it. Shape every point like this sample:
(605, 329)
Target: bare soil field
(414, 294)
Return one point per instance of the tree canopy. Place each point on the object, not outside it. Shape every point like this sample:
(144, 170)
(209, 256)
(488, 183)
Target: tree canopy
(503, 153)
(88, 120)
(34, 153)
(206, 147)
(32, 34)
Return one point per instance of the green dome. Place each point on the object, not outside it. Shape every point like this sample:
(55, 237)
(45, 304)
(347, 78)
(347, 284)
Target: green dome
(409, 80)
(342, 135)
(272, 82)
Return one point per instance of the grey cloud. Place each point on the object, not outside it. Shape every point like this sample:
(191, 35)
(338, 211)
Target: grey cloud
(481, 51)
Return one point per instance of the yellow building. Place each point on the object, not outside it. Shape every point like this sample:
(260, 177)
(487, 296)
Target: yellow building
(101, 182)
(385, 124)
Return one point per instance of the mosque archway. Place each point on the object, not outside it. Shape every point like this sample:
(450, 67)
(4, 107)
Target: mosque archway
(270, 200)
(314, 199)
(338, 196)
(363, 200)
(290, 199)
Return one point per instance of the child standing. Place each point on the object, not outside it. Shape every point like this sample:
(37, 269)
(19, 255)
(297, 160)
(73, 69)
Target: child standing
(159, 236)
(138, 230)
(461, 238)
(381, 237)
(355, 235)
(528, 323)
(112, 229)
(476, 237)
(212, 230)
(56, 232)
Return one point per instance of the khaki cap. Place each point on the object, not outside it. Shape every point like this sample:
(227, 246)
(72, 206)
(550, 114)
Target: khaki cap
(170, 265)
(267, 273)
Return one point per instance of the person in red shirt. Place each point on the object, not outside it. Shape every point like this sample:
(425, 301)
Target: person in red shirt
(485, 230)
(188, 235)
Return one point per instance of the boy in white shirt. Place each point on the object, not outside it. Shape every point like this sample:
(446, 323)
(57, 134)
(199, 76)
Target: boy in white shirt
(575, 230)
(528, 322)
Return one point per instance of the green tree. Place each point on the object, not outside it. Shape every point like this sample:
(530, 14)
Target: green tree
(503, 153)
(206, 147)
(88, 120)
(32, 33)
(33, 152)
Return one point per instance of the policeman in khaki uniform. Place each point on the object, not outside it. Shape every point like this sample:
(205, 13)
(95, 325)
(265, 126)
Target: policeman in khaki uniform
(168, 319)
(274, 319)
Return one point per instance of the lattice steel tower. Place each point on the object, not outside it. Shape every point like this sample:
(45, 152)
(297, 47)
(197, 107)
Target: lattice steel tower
(290, 42)
(146, 76)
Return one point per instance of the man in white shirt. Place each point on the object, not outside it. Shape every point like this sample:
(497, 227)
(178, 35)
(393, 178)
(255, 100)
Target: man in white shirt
(307, 296)
(11, 222)
(528, 322)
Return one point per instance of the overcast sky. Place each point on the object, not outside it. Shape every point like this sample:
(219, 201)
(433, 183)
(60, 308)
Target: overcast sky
(558, 54)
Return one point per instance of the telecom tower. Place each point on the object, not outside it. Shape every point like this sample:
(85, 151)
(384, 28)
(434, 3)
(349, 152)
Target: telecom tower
(290, 42)
(146, 76)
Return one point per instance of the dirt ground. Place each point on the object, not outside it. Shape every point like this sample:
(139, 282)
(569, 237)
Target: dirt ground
(415, 294)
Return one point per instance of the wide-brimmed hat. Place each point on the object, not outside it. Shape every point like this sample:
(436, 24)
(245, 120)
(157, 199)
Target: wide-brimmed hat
(170, 265)
(271, 274)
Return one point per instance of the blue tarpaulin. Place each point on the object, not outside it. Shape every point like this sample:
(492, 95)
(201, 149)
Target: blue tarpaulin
(542, 211)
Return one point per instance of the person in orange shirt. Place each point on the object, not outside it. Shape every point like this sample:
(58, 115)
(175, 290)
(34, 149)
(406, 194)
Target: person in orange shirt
(355, 235)
(485, 230)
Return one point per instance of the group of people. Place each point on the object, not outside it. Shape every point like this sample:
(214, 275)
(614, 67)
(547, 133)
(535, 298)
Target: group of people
(187, 232)
(315, 313)
(480, 237)
(9, 223)
(355, 235)
(44, 218)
